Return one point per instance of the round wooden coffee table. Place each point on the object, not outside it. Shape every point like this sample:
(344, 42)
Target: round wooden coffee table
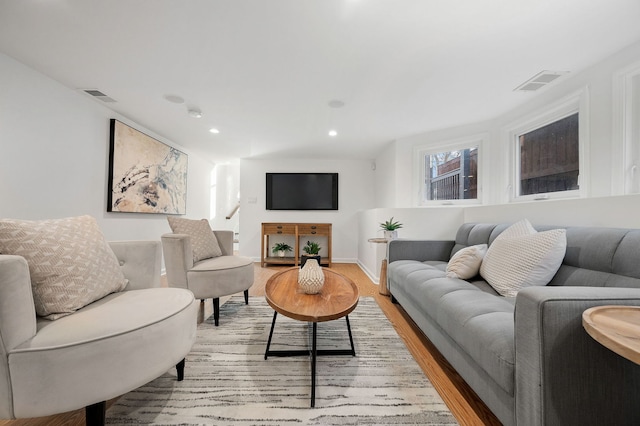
(338, 298)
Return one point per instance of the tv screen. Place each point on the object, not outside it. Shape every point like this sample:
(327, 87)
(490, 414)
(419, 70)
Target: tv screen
(302, 191)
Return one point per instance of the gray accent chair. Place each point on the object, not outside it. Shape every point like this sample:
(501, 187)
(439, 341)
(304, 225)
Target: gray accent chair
(104, 350)
(209, 278)
(528, 357)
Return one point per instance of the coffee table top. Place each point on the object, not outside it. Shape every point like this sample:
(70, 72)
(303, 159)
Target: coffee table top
(338, 297)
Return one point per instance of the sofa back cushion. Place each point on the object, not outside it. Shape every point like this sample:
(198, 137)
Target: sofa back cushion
(595, 256)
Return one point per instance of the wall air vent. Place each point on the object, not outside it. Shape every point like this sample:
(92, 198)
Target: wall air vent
(540, 80)
(98, 95)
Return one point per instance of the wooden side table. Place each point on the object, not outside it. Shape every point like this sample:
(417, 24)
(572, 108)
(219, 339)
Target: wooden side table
(615, 327)
(382, 286)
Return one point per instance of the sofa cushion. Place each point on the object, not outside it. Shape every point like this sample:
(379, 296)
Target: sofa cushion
(113, 315)
(410, 272)
(204, 243)
(483, 326)
(70, 263)
(471, 314)
(465, 263)
(521, 257)
(221, 263)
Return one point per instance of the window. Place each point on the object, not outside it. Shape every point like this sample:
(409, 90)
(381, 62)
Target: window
(449, 173)
(549, 151)
(549, 158)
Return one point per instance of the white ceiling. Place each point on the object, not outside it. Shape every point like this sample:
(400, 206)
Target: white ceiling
(264, 71)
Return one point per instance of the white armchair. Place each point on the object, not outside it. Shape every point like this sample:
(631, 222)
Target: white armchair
(209, 278)
(101, 351)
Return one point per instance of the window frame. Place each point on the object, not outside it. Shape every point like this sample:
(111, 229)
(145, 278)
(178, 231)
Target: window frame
(444, 146)
(577, 102)
(626, 131)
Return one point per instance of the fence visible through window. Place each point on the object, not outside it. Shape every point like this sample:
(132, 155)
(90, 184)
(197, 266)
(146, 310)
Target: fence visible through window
(452, 175)
(549, 160)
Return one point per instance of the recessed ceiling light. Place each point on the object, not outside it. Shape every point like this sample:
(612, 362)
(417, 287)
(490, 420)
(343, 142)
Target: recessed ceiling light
(333, 133)
(194, 112)
(336, 103)
(174, 99)
(214, 130)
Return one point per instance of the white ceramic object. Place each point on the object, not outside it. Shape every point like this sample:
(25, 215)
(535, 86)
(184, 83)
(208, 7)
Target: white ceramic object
(390, 235)
(311, 277)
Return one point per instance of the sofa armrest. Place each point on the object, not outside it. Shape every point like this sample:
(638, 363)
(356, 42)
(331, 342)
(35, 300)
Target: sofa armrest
(17, 320)
(225, 240)
(563, 376)
(140, 262)
(178, 258)
(420, 250)
(17, 310)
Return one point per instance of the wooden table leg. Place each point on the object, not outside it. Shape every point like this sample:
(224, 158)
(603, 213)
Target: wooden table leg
(382, 287)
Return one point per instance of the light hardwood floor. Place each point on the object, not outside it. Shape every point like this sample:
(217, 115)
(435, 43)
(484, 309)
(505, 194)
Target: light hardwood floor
(461, 400)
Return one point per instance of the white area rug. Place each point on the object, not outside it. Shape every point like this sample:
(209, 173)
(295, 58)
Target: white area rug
(228, 381)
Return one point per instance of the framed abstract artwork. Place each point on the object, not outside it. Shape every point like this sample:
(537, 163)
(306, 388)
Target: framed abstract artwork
(145, 175)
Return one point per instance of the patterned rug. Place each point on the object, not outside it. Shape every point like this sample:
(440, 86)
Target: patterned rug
(228, 381)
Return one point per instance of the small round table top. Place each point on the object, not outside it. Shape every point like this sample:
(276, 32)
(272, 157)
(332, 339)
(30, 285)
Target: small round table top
(616, 327)
(378, 240)
(338, 297)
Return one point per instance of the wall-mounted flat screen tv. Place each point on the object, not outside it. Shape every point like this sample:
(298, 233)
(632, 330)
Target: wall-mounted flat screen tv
(302, 191)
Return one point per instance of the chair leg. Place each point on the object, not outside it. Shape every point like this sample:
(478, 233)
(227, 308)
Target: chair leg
(246, 297)
(95, 414)
(180, 369)
(216, 311)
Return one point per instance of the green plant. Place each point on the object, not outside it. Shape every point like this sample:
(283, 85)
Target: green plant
(390, 225)
(282, 247)
(312, 248)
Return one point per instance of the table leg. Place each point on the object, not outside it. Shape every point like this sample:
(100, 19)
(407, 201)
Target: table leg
(353, 349)
(273, 324)
(382, 286)
(313, 365)
(315, 352)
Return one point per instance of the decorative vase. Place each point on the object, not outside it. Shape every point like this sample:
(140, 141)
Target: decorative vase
(311, 277)
(390, 235)
(305, 257)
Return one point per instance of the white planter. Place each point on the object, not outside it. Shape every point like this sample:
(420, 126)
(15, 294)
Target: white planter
(391, 235)
(281, 253)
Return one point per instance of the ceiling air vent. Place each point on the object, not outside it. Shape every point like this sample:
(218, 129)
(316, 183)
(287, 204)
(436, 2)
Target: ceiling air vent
(98, 95)
(539, 81)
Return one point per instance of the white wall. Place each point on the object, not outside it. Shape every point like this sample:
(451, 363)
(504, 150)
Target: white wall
(437, 223)
(355, 193)
(54, 157)
(227, 189)
(604, 152)
(385, 176)
(614, 211)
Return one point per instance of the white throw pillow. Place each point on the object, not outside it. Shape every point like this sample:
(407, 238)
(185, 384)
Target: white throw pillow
(70, 263)
(465, 263)
(204, 243)
(522, 257)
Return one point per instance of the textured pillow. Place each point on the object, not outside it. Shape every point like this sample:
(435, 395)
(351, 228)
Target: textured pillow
(521, 257)
(204, 243)
(465, 263)
(70, 263)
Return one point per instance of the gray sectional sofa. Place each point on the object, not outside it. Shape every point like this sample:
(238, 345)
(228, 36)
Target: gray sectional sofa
(528, 357)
